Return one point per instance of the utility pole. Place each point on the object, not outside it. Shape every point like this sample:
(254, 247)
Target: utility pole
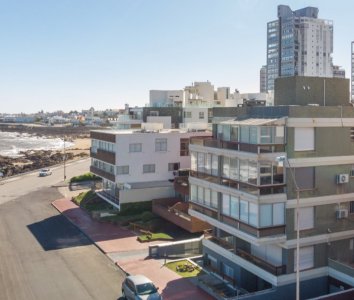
(64, 160)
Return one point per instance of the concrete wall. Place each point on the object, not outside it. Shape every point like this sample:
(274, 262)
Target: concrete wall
(161, 159)
(147, 194)
(301, 90)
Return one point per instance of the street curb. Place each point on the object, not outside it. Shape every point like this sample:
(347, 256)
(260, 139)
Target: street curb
(83, 232)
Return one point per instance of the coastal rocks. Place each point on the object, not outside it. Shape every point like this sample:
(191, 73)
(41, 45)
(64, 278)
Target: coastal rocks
(33, 160)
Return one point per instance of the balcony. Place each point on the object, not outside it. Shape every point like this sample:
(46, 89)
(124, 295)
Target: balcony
(342, 271)
(236, 225)
(247, 187)
(175, 211)
(106, 156)
(101, 173)
(245, 259)
(237, 146)
(181, 185)
(103, 136)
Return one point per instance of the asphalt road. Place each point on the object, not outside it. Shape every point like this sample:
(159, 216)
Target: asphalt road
(42, 255)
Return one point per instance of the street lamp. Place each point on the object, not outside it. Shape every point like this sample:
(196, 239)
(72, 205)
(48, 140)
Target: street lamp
(64, 160)
(282, 159)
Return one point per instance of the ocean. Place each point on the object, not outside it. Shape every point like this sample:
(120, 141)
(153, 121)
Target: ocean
(12, 143)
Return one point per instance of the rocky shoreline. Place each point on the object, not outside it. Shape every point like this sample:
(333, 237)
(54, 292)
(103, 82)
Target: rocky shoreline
(36, 159)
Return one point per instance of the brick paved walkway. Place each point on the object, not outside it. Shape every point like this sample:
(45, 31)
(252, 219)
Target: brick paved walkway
(114, 239)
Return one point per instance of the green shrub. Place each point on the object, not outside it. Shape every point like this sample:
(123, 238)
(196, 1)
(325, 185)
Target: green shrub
(135, 208)
(84, 177)
(146, 216)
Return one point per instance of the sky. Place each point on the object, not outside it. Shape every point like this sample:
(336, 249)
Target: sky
(76, 54)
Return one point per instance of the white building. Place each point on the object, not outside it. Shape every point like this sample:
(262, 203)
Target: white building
(139, 165)
(166, 98)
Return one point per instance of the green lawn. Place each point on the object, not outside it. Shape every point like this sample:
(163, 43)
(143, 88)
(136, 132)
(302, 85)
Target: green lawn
(181, 268)
(154, 237)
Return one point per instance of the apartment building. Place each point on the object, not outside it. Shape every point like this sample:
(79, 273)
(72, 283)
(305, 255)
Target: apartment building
(352, 71)
(239, 187)
(139, 165)
(298, 43)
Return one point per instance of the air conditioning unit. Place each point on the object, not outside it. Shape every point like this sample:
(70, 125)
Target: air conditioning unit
(342, 213)
(342, 178)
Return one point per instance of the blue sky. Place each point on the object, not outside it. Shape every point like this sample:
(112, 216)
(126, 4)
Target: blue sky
(74, 54)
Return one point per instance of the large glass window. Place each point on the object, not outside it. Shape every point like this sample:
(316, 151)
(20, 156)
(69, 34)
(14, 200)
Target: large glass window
(207, 197)
(193, 192)
(253, 214)
(244, 211)
(254, 135)
(226, 167)
(234, 207)
(214, 165)
(226, 204)
(245, 134)
(278, 214)
(226, 132)
(266, 215)
(201, 162)
(200, 194)
(214, 199)
(252, 172)
(234, 168)
(234, 134)
(243, 170)
(194, 161)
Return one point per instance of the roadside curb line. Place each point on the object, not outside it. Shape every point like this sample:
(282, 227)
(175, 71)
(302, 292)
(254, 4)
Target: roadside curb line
(82, 231)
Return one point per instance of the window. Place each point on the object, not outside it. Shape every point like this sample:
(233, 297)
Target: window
(122, 170)
(184, 147)
(306, 258)
(187, 114)
(304, 139)
(278, 214)
(194, 156)
(244, 211)
(306, 218)
(234, 207)
(201, 115)
(253, 214)
(154, 113)
(305, 178)
(351, 207)
(135, 147)
(149, 168)
(266, 215)
(193, 192)
(173, 166)
(226, 204)
(160, 144)
(214, 199)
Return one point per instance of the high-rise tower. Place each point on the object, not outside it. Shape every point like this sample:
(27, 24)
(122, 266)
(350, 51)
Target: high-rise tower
(298, 43)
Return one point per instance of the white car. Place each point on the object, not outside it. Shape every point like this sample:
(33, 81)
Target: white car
(45, 172)
(139, 287)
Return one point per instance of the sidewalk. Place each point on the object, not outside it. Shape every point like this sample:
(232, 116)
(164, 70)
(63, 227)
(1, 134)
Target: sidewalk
(123, 248)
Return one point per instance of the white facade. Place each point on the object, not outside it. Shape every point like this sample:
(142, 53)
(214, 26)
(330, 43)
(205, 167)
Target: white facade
(199, 93)
(166, 98)
(145, 162)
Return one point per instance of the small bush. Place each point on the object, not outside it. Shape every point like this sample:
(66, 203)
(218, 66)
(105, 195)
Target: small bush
(146, 216)
(135, 208)
(84, 177)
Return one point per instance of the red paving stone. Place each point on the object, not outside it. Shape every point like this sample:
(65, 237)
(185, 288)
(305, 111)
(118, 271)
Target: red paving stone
(108, 237)
(112, 238)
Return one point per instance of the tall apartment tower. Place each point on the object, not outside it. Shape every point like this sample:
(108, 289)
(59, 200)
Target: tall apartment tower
(352, 73)
(263, 79)
(298, 43)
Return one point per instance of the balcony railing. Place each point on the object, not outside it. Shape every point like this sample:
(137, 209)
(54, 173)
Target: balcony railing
(237, 146)
(243, 186)
(106, 156)
(102, 173)
(273, 269)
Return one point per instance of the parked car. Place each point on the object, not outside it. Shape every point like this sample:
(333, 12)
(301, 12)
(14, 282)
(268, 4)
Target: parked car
(45, 172)
(139, 287)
